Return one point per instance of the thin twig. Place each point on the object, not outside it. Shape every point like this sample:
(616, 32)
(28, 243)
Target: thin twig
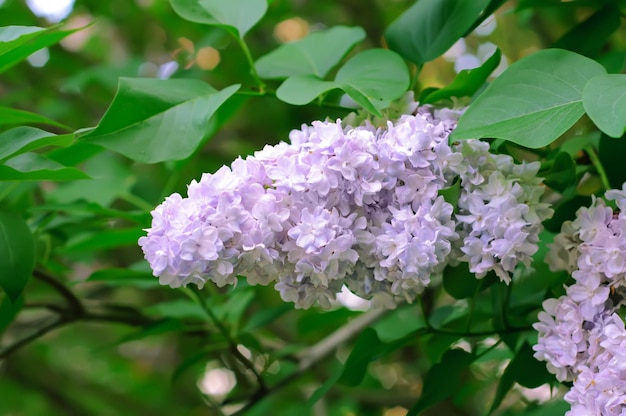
(71, 299)
(32, 337)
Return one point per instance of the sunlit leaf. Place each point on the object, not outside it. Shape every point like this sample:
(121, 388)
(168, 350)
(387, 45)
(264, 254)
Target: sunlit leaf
(236, 16)
(604, 98)
(17, 254)
(152, 120)
(431, 27)
(311, 55)
(533, 102)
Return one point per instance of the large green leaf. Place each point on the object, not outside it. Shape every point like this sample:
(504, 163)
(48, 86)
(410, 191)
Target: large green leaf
(532, 102)
(372, 78)
(24, 139)
(9, 310)
(236, 16)
(443, 379)
(17, 254)
(12, 116)
(311, 55)
(431, 27)
(36, 167)
(152, 120)
(604, 98)
(467, 82)
(19, 42)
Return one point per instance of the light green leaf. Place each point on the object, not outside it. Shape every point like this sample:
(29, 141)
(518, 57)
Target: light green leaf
(604, 98)
(17, 254)
(19, 42)
(125, 277)
(11, 116)
(467, 82)
(102, 240)
(236, 16)
(372, 78)
(532, 102)
(24, 139)
(311, 55)
(36, 167)
(431, 27)
(152, 120)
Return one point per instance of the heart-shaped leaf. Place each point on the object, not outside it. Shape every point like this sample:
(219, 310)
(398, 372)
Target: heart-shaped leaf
(604, 98)
(372, 79)
(533, 102)
(431, 27)
(235, 16)
(17, 254)
(152, 120)
(311, 55)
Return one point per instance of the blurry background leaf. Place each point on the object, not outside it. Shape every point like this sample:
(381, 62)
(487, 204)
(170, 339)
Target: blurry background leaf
(17, 254)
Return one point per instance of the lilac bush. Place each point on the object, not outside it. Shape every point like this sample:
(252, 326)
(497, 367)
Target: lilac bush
(581, 334)
(356, 206)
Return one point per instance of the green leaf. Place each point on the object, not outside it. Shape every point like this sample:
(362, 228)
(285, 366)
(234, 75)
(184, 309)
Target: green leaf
(611, 152)
(19, 42)
(179, 309)
(442, 380)
(11, 116)
(588, 37)
(36, 167)
(532, 102)
(111, 179)
(460, 283)
(431, 27)
(124, 277)
(467, 82)
(452, 193)
(24, 139)
(9, 310)
(523, 369)
(158, 328)
(265, 316)
(311, 55)
(533, 4)
(152, 120)
(560, 172)
(235, 16)
(17, 254)
(372, 78)
(604, 98)
(102, 240)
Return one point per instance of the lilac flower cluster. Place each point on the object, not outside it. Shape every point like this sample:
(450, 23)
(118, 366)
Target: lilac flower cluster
(581, 335)
(355, 206)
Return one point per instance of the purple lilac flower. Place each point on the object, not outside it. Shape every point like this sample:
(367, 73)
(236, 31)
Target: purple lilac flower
(581, 336)
(354, 206)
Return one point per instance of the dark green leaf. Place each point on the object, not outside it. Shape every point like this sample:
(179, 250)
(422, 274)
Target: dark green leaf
(152, 120)
(611, 152)
(24, 139)
(11, 116)
(265, 316)
(36, 167)
(158, 328)
(311, 55)
(431, 27)
(460, 283)
(532, 102)
(533, 4)
(442, 380)
(236, 16)
(560, 172)
(102, 240)
(19, 42)
(588, 37)
(523, 369)
(17, 254)
(467, 82)
(604, 98)
(9, 310)
(179, 309)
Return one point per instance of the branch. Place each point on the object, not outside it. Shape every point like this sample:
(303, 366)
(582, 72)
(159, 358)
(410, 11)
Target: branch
(70, 297)
(32, 337)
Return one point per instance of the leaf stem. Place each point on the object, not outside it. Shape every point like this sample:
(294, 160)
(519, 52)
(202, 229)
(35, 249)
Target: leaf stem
(595, 160)
(246, 52)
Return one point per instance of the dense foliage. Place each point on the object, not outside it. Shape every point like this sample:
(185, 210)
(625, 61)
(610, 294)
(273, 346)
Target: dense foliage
(444, 160)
